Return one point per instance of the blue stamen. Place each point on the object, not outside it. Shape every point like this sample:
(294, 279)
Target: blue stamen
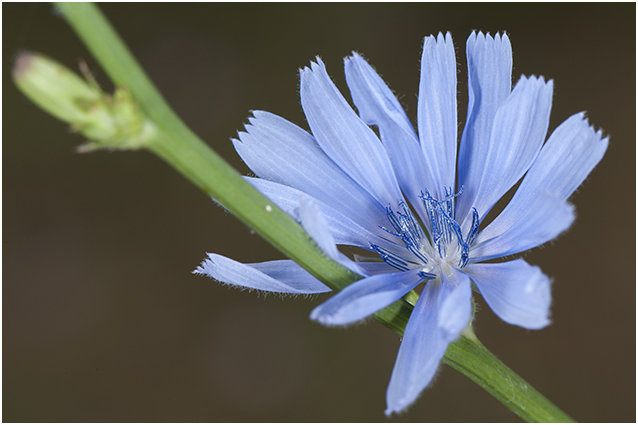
(426, 197)
(416, 227)
(393, 218)
(390, 258)
(426, 275)
(474, 229)
(444, 233)
(409, 231)
(414, 249)
(391, 232)
(445, 228)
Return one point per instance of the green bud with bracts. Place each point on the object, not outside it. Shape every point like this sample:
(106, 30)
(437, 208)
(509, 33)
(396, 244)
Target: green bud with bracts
(108, 121)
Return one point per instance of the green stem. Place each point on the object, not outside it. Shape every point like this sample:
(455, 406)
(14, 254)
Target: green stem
(470, 357)
(184, 151)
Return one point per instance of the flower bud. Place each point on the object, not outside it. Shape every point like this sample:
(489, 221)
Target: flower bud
(113, 122)
(53, 87)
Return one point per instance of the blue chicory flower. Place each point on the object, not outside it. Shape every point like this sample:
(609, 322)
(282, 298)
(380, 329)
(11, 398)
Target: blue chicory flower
(394, 196)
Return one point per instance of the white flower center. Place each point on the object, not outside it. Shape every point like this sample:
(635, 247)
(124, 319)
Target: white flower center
(443, 245)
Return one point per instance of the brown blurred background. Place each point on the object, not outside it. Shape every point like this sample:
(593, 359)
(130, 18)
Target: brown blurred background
(102, 320)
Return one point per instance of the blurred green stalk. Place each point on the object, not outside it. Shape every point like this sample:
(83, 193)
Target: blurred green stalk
(183, 150)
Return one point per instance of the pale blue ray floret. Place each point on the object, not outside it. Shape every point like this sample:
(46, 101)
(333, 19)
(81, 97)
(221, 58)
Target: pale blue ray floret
(393, 195)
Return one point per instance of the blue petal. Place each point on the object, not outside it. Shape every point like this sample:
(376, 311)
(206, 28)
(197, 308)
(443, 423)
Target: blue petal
(376, 267)
(489, 63)
(516, 291)
(378, 106)
(344, 230)
(424, 344)
(537, 213)
(455, 304)
(437, 120)
(346, 139)
(316, 226)
(366, 296)
(278, 150)
(281, 276)
(519, 129)
(569, 155)
(523, 226)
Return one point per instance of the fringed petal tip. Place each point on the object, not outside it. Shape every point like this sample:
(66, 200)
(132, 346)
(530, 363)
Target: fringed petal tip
(487, 38)
(354, 56)
(600, 133)
(535, 85)
(279, 276)
(438, 38)
(208, 268)
(313, 66)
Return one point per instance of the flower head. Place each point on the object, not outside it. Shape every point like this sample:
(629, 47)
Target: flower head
(418, 209)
